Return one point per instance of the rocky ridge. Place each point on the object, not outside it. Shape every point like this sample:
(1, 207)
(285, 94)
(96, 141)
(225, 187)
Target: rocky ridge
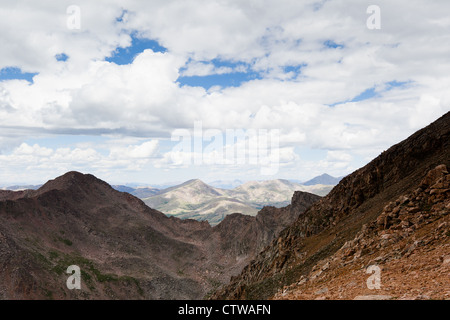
(358, 199)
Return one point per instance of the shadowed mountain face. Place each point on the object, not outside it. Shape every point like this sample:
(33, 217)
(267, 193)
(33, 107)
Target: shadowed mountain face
(349, 214)
(125, 249)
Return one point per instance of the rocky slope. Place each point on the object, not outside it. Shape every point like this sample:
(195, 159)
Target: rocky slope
(409, 242)
(323, 232)
(125, 249)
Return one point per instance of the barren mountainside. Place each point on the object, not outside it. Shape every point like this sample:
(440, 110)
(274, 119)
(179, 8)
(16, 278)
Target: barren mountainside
(125, 249)
(351, 207)
(409, 242)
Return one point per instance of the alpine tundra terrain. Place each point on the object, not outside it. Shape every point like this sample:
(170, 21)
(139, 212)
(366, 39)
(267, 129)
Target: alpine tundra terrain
(382, 233)
(125, 249)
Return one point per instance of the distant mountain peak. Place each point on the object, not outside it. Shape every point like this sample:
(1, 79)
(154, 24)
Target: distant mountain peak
(195, 181)
(324, 178)
(325, 175)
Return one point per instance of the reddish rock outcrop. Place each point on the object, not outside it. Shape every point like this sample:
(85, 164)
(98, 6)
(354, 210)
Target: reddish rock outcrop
(409, 242)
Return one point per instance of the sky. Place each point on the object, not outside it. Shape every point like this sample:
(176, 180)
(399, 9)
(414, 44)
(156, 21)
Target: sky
(165, 91)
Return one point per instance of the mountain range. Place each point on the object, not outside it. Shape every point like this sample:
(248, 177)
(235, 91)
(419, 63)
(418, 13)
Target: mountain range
(197, 200)
(140, 192)
(391, 216)
(125, 249)
(226, 184)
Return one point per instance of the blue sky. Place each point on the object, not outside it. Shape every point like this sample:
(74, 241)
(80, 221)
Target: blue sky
(234, 79)
(307, 87)
(126, 55)
(11, 73)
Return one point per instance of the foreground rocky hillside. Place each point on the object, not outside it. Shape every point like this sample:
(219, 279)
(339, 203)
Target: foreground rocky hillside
(409, 242)
(125, 249)
(392, 212)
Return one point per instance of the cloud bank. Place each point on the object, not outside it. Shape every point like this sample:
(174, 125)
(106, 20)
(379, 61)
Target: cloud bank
(338, 92)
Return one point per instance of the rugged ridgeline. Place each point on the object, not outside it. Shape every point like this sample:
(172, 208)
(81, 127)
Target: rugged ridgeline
(125, 249)
(313, 246)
